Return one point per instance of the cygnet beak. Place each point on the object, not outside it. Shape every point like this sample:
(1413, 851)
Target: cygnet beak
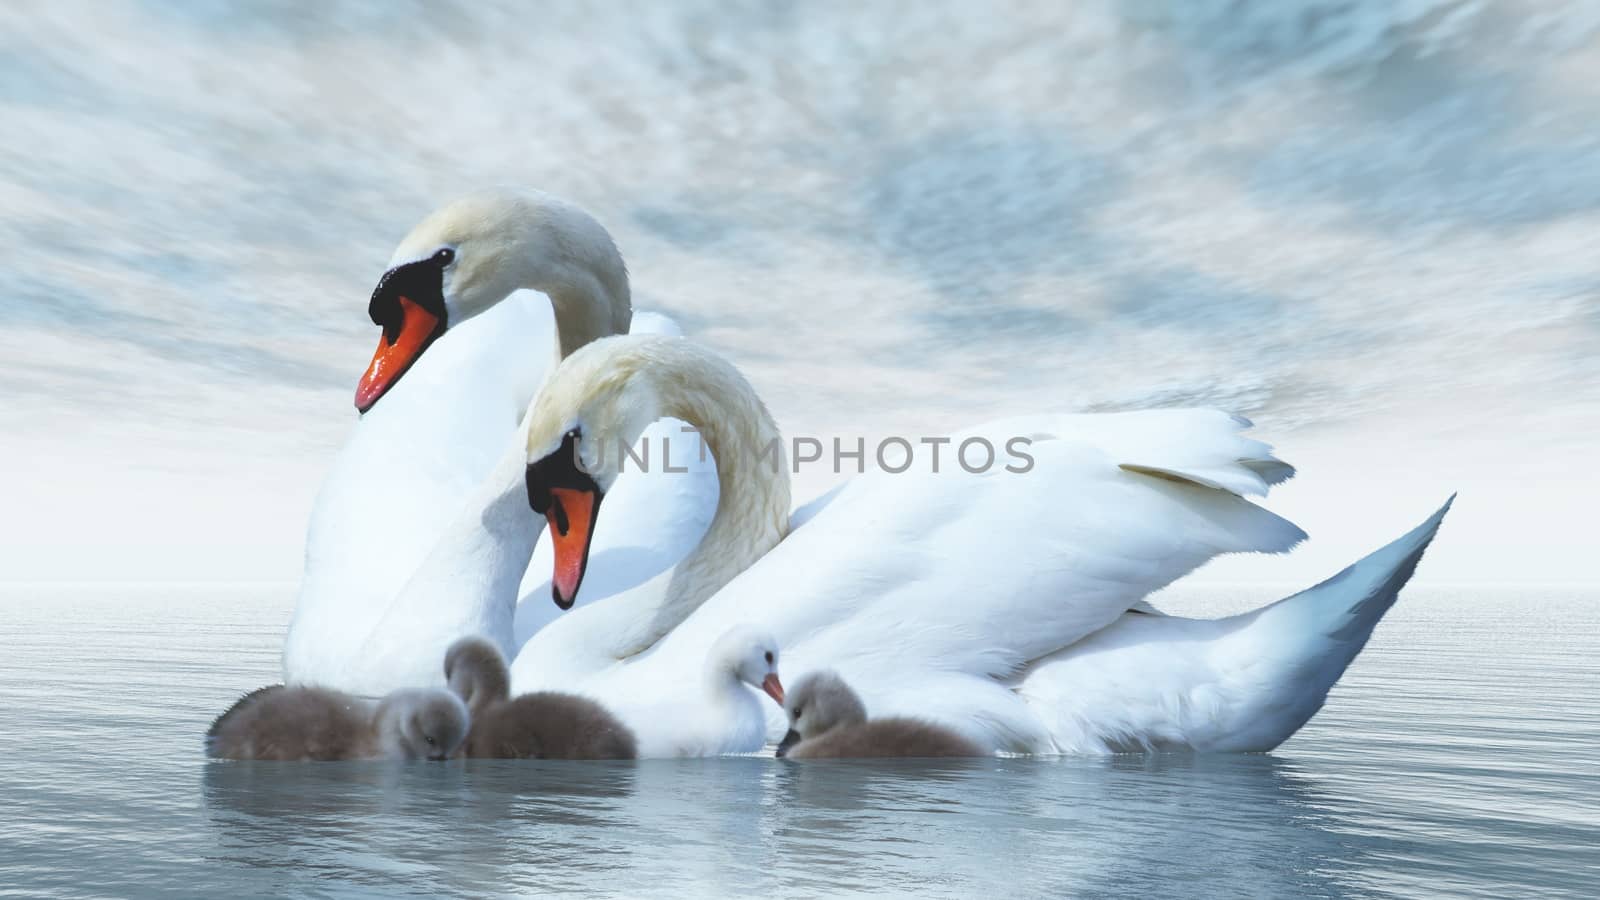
(789, 740)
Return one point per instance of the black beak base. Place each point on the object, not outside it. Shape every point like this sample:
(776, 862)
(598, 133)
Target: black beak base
(788, 742)
(558, 470)
(422, 281)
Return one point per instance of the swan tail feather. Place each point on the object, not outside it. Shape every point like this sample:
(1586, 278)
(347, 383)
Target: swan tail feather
(1240, 684)
(1289, 654)
(1346, 607)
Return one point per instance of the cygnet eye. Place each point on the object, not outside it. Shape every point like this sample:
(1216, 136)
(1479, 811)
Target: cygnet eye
(429, 739)
(798, 712)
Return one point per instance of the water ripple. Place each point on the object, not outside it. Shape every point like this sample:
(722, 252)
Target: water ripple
(1456, 758)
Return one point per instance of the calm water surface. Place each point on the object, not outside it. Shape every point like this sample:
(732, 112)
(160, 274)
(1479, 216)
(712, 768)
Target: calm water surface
(1456, 758)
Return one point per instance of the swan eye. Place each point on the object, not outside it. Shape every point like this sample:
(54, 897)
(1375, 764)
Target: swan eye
(445, 256)
(573, 437)
(769, 657)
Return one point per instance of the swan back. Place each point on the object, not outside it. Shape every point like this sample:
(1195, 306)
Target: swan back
(550, 725)
(291, 724)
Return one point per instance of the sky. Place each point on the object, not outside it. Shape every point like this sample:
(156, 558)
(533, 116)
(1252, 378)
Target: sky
(1370, 227)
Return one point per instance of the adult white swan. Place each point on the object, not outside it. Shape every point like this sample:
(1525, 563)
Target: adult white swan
(962, 597)
(414, 540)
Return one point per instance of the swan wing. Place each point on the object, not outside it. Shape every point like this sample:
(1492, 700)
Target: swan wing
(929, 589)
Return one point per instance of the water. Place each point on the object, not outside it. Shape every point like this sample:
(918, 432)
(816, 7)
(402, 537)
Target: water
(1455, 758)
(1367, 224)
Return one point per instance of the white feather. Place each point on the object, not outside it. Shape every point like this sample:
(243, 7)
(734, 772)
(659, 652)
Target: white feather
(1244, 683)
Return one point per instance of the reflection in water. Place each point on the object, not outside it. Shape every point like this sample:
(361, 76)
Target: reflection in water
(1114, 825)
(1433, 770)
(466, 822)
(822, 826)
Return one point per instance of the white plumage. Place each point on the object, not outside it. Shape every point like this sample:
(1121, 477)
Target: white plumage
(1239, 684)
(939, 595)
(997, 602)
(421, 534)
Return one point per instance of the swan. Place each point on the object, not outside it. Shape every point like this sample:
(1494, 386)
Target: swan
(418, 535)
(298, 723)
(954, 595)
(726, 715)
(543, 725)
(828, 721)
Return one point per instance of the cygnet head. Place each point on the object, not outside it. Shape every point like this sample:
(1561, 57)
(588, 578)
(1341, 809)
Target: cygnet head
(820, 702)
(422, 724)
(749, 655)
(473, 253)
(477, 673)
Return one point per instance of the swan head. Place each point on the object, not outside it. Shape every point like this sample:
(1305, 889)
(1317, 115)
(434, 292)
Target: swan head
(820, 702)
(748, 655)
(476, 672)
(473, 253)
(422, 724)
(589, 412)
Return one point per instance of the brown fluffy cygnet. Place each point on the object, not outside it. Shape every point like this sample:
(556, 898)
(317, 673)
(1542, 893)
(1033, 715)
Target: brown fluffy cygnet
(828, 721)
(310, 723)
(541, 725)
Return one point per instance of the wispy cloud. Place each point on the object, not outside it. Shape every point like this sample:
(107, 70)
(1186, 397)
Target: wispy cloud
(1331, 216)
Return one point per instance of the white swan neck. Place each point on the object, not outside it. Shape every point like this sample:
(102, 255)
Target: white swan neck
(587, 310)
(753, 502)
(752, 513)
(571, 258)
(724, 688)
(498, 515)
(485, 547)
(467, 584)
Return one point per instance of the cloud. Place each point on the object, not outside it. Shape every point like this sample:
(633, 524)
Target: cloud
(1330, 215)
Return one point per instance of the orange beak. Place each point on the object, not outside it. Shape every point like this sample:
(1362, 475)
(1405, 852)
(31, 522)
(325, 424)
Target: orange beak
(394, 355)
(773, 687)
(571, 516)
